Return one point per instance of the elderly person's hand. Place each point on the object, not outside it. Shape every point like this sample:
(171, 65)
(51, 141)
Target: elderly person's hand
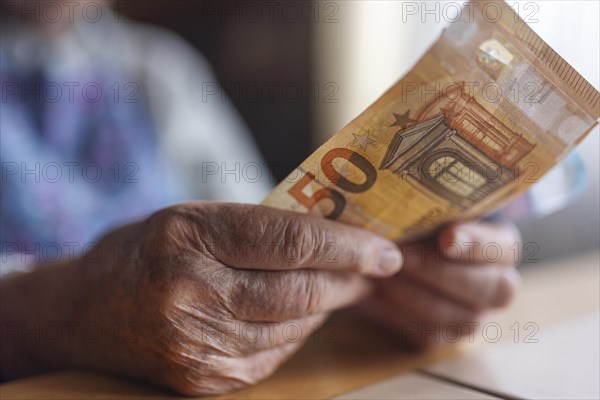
(447, 283)
(202, 298)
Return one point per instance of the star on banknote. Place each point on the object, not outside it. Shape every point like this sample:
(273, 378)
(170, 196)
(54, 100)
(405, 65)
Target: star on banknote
(460, 155)
(363, 140)
(402, 119)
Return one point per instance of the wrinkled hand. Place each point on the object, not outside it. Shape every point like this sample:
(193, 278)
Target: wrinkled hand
(446, 284)
(208, 292)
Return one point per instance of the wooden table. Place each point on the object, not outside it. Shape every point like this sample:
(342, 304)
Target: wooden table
(359, 354)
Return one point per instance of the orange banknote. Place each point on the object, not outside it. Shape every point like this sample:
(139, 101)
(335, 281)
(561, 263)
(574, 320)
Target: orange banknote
(487, 111)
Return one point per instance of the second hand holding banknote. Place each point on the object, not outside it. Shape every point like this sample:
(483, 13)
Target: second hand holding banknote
(487, 111)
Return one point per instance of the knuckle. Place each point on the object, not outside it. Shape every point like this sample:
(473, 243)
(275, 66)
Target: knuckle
(247, 296)
(298, 241)
(172, 247)
(286, 295)
(275, 296)
(168, 217)
(166, 229)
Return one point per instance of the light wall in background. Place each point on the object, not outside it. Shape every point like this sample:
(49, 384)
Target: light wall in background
(364, 53)
(370, 47)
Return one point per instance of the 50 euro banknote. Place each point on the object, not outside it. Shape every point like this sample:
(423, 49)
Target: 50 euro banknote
(481, 117)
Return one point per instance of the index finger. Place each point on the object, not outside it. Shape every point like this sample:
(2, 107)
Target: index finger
(258, 237)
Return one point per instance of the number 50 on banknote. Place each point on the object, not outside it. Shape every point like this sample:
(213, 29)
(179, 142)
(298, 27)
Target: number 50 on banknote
(487, 111)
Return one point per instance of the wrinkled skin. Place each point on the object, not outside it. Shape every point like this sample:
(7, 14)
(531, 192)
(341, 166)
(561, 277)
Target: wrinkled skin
(190, 288)
(205, 298)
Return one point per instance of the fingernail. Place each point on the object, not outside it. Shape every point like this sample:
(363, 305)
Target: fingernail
(390, 261)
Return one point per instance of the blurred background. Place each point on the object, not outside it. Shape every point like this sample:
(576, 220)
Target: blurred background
(343, 55)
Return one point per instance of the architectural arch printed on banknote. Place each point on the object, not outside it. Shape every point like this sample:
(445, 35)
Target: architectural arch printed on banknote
(484, 114)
